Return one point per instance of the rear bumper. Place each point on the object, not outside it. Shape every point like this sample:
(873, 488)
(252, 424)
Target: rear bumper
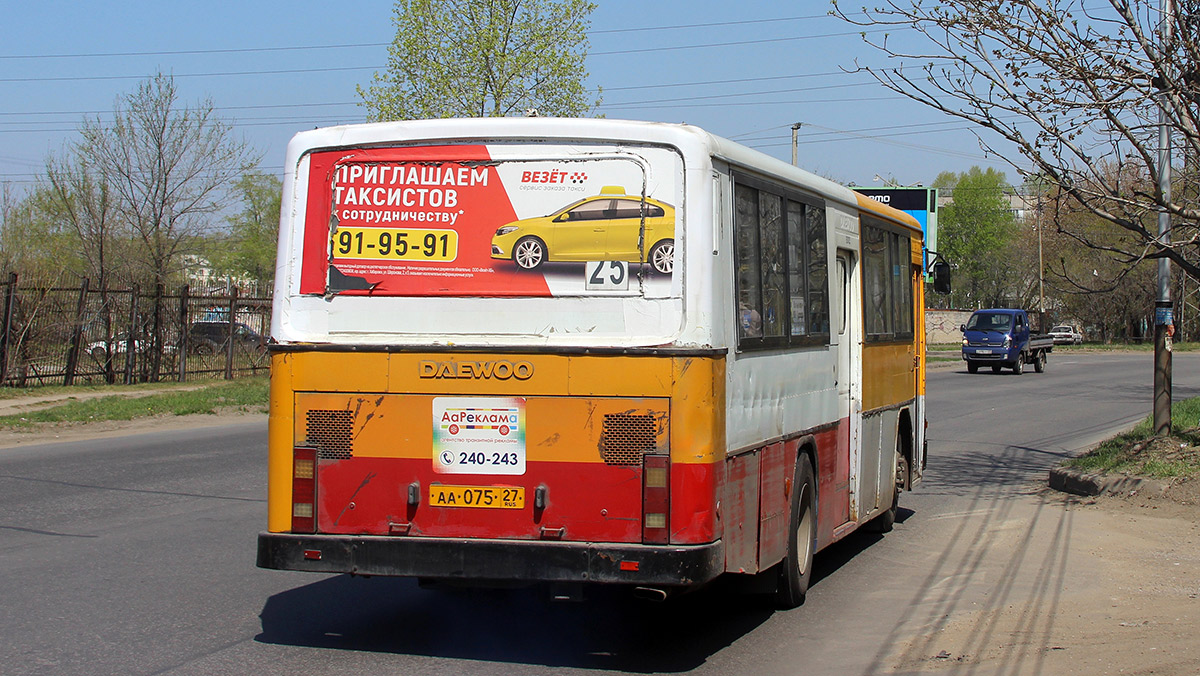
(488, 560)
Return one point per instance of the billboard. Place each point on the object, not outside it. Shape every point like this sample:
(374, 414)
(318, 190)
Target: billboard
(480, 220)
(918, 202)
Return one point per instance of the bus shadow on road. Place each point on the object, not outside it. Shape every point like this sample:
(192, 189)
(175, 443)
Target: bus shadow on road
(609, 629)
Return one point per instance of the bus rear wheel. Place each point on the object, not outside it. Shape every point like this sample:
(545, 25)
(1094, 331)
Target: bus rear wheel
(795, 571)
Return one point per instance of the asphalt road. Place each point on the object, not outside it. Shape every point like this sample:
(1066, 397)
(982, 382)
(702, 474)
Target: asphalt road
(136, 556)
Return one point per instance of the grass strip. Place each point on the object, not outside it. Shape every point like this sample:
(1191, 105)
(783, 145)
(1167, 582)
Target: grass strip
(1140, 452)
(249, 394)
(75, 390)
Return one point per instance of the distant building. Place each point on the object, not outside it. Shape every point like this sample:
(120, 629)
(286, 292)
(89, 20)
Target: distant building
(1020, 205)
(201, 278)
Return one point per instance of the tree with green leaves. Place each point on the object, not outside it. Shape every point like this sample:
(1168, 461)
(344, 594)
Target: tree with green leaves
(33, 243)
(484, 58)
(249, 249)
(976, 231)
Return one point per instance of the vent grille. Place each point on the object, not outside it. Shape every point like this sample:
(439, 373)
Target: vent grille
(331, 432)
(626, 437)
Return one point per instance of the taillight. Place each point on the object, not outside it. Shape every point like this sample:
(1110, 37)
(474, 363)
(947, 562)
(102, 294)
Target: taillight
(304, 490)
(656, 499)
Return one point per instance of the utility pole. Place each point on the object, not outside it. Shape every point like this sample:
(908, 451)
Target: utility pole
(1041, 266)
(1163, 321)
(795, 143)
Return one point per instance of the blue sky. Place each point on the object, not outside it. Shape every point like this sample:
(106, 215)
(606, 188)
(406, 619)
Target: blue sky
(745, 71)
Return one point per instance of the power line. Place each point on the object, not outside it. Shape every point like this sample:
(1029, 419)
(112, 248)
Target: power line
(720, 24)
(192, 52)
(735, 95)
(359, 45)
(740, 43)
(701, 83)
(99, 78)
(290, 71)
(760, 104)
(687, 102)
(249, 107)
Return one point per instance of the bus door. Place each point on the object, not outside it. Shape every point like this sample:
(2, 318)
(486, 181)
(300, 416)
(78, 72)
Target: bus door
(848, 347)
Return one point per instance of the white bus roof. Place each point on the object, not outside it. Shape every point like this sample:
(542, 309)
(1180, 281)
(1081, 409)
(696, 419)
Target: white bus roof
(688, 138)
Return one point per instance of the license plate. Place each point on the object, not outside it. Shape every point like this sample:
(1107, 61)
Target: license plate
(983, 351)
(487, 497)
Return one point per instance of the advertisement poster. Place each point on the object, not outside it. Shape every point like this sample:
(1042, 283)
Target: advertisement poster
(453, 220)
(479, 435)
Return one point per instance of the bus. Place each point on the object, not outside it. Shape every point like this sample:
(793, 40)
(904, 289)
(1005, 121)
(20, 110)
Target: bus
(583, 352)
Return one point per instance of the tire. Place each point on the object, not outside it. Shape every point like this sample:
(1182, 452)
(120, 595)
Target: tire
(205, 349)
(662, 257)
(1019, 364)
(529, 253)
(1039, 363)
(795, 571)
(972, 367)
(885, 521)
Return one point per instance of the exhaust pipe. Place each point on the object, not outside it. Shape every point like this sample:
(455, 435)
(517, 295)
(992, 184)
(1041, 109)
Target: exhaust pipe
(650, 594)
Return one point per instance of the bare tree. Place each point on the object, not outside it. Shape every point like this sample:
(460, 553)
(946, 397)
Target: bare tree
(79, 199)
(1075, 87)
(167, 165)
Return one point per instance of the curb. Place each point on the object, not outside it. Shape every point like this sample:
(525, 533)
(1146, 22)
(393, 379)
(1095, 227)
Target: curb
(1074, 481)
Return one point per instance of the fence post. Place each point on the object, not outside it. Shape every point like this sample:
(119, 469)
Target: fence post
(10, 304)
(129, 338)
(76, 334)
(155, 344)
(106, 314)
(183, 332)
(233, 298)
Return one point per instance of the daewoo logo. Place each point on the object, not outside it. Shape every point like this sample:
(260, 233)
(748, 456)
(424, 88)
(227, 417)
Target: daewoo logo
(498, 370)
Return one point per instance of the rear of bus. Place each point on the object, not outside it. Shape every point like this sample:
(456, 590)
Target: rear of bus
(483, 366)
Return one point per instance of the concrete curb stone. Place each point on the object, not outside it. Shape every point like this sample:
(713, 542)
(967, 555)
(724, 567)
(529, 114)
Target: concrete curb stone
(1077, 482)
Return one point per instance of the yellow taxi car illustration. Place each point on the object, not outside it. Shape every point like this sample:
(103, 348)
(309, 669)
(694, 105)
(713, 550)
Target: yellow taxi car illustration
(600, 228)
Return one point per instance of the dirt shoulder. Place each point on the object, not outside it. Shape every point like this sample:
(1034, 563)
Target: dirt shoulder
(1076, 586)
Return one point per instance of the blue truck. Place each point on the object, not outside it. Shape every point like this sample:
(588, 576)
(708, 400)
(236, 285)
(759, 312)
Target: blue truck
(1004, 338)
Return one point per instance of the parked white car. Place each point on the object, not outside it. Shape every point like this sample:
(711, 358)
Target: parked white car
(1065, 334)
(118, 346)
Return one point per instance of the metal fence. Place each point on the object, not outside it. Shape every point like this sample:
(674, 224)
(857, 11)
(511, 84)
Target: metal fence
(65, 335)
